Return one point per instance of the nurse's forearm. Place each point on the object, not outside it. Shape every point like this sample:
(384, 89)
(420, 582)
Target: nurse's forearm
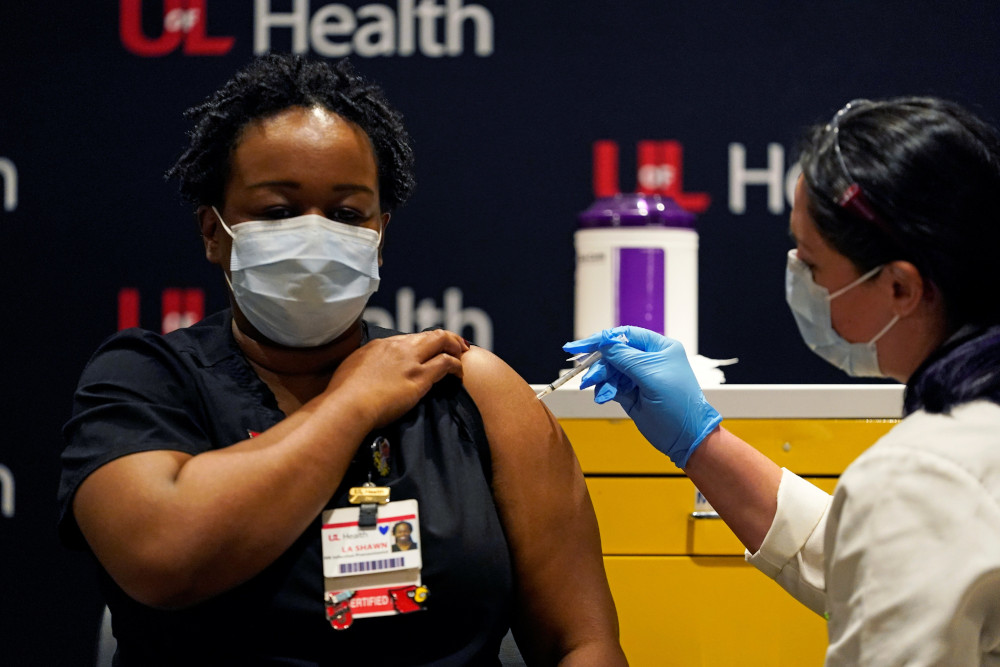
(739, 482)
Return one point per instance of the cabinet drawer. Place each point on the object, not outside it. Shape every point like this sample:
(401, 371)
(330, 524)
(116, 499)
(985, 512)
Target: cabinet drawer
(709, 611)
(804, 446)
(652, 515)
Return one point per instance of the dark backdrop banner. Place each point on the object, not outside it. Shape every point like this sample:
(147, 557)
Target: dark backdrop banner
(504, 98)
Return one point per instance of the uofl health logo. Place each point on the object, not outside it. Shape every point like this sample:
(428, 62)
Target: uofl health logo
(431, 28)
(184, 26)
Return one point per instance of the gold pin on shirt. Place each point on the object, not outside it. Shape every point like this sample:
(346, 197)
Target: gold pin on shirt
(369, 493)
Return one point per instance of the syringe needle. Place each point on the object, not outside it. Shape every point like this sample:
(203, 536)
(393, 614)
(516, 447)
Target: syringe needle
(583, 364)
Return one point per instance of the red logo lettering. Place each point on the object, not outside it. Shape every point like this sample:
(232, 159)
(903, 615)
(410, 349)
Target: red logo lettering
(179, 308)
(660, 170)
(128, 308)
(184, 23)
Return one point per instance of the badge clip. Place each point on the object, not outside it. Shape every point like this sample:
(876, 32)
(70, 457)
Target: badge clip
(369, 497)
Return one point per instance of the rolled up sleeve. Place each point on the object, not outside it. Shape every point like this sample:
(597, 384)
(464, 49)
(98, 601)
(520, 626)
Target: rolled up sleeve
(792, 550)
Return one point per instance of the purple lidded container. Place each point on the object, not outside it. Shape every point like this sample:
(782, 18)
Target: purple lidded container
(637, 264)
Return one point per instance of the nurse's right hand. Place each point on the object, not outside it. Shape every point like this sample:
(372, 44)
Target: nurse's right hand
(649, 375)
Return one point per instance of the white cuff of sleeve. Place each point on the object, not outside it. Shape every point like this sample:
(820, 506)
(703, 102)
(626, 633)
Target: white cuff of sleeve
(801, 505)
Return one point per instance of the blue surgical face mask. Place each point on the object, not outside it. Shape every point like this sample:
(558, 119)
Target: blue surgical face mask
(302, 281)
(810, 304)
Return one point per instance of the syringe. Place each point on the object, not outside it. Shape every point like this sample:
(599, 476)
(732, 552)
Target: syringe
(584, 361)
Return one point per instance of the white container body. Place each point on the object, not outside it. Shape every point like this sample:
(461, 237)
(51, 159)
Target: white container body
(643, 276)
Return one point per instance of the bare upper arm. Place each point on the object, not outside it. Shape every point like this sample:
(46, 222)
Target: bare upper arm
(118, 491)
(120, 503)
(532, 458)
(564, 602)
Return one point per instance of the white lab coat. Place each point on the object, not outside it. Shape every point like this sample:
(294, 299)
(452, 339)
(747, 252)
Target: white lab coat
(905, 556)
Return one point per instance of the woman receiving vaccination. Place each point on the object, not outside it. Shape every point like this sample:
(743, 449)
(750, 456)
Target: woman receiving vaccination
(237, 480)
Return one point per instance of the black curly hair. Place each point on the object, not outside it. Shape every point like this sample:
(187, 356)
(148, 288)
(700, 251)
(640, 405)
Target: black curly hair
(272, 83)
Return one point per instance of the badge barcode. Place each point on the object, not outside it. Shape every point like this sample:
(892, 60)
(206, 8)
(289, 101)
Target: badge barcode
(370, 565)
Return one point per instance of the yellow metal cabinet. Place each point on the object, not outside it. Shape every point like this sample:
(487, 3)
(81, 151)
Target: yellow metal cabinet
(654, 516)
(684, 593)
(710, 611)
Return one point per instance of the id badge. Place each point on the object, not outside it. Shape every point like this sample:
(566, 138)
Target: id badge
(372, 571)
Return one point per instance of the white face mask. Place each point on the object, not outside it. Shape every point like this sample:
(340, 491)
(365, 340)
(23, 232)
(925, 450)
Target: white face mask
(810, 304)
(302, 281)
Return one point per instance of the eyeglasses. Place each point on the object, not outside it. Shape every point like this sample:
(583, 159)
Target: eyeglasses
(851, 198)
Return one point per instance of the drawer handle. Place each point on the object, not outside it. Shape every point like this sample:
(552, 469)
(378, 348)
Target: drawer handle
(705, 515)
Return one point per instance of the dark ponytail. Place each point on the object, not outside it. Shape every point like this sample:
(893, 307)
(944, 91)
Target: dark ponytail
(964, 369)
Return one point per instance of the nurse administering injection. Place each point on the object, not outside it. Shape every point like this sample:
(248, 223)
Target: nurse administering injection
(894, 274)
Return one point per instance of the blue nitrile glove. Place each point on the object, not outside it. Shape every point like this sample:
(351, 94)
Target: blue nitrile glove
(649, 375)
